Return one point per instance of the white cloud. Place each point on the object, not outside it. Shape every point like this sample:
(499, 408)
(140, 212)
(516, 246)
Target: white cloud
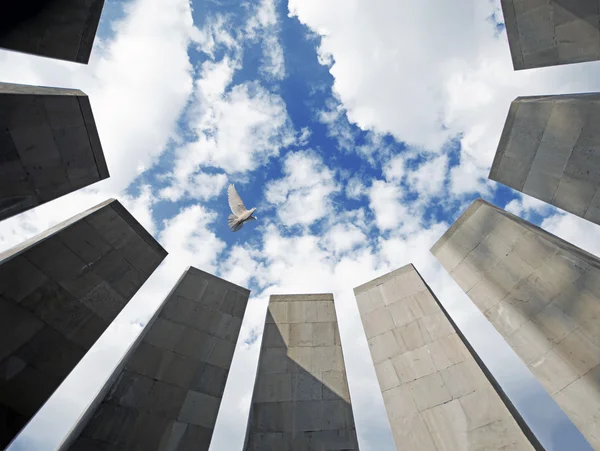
(426, 72)
(575, 230)
(395, 169)
(236, 131)
(413, 248)
(236, 128)
(274, 64)
(188, 236)
(391, 211)
(526, 205)
(240, 265)
(303, 136)
(303, 195)
(343, 237)
(216, 33)
(206, 186)
(355, 188)
(333, 115)
(263, 25)
(141, 207)
(428, 179)
(215, 77)
(384, 200)
(468, 177)
(200, 186)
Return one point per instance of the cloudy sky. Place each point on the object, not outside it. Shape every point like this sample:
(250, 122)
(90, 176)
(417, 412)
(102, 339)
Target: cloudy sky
(361, 129)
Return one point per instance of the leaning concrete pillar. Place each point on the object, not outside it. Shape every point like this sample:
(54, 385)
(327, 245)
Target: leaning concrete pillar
(550, 150)
(166, 393)
(301, 398)
(553, 32)
(59, 291)
(437, 392)
(49, 146)
(61, 29)
(542, 294)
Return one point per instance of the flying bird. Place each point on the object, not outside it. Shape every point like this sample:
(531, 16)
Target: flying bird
(240, 214)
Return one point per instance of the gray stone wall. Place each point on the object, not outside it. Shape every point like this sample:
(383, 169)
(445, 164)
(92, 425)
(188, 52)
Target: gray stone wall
(166, 393)
(550, 149)
(58, 293)
(542, 294)
(301, 400)
(49, 143)
(61, 29)
(436, 395)
(552, 32)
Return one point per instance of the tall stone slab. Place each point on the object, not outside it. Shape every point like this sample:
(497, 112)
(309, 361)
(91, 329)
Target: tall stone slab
(301, 400)
(542, 294)
(59, 291)
(61, 29)
(49, 146)
(166, 393)
(552, 32)
(550, 149)
(438, 393)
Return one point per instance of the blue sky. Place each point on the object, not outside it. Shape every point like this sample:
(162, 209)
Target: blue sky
(359, 129)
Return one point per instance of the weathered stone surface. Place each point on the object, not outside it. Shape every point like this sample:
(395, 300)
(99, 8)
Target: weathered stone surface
(558, 157)
(61, 29)
(434, 390)
(48, 150)
(301, 398)
(172, 380)
(55, 304)
(550, 33)
(549, 313)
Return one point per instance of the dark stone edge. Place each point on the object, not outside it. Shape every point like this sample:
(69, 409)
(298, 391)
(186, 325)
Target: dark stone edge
(89, 32)
(48, 233)
(139, 229)
(93, 137)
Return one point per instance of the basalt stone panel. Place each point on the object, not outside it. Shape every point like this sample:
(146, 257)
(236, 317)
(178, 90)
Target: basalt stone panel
(437, 392)
(542, 294)
(552, 32)
(49, 146)
(59, 291)
(61, 29)
(301, 400)
(166, 393)
(550, 149)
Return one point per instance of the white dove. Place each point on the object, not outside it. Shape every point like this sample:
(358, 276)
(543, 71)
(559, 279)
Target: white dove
(240, 213)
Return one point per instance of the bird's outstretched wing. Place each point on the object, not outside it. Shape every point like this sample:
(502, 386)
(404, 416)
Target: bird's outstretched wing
(235, 201)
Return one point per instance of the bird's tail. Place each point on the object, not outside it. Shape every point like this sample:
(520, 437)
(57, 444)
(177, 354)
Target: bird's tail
(233, 224)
